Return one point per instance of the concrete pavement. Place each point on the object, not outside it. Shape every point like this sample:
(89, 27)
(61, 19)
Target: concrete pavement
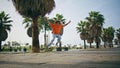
(104, 58)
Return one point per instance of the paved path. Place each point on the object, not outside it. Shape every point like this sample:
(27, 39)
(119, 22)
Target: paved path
(101, 58)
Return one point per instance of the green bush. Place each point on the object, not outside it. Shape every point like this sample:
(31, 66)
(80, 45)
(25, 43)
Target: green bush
(49, 49)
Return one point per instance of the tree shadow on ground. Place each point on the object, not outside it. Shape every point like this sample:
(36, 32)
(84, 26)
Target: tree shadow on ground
(20, 63)
(87, 64)
(102, 64)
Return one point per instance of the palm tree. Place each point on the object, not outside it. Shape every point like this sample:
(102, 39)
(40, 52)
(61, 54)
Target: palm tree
(4, 26)
(42, 26)
(45, 27)
(28, 22)
(96, 21)
(118, 35)
(104, 36)
(89, 38)
(41, 23)
(33, 9)
(110, 36)
(83, 32)
(116, 41)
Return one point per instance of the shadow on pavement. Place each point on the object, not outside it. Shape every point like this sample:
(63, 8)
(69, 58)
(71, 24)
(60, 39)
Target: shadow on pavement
(20, 63)
(87, 64)
(103, 64)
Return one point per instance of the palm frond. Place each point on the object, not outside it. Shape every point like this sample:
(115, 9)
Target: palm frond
(5, 21)
(34, 8)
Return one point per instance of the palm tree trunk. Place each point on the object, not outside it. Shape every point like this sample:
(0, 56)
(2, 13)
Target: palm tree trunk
(0, 46)
(45, 42)
(104, 44)
(84, 44)
(35, 36)
(90, 45)
(97, 44)
(110, 44)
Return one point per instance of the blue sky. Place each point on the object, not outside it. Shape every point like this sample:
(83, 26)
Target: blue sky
(74, 10)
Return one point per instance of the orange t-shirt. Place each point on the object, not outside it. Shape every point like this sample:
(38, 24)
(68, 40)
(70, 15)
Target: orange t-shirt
(56, 28)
